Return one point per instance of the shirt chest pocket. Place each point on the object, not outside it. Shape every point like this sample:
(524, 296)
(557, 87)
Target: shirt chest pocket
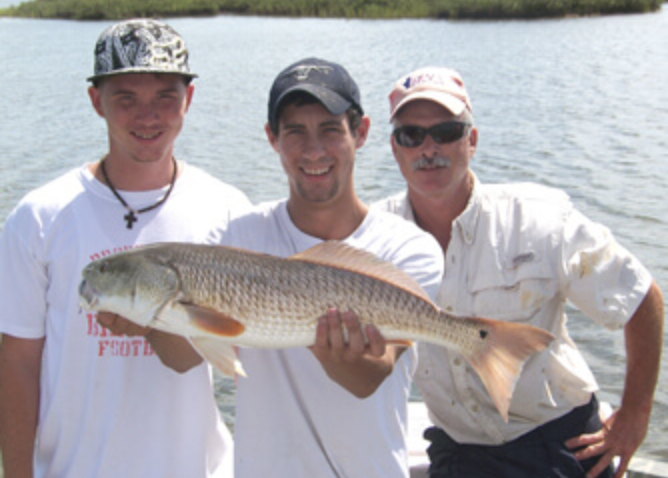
(515, 290)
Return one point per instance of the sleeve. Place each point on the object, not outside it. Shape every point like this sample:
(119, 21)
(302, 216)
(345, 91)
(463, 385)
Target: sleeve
(604, 280)
(23, 282)
(238, 205)
(397, 204)
(420, 256)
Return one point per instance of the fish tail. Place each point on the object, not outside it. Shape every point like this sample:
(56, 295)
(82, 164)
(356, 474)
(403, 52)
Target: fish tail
(499, 361)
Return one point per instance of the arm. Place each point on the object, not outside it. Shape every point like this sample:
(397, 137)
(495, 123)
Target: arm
(174, 351)
(625, 430)
(357, 366)
(20, 368)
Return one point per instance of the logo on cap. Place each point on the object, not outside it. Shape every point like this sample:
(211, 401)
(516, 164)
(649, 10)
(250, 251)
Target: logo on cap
(302, 72)
(431, 79)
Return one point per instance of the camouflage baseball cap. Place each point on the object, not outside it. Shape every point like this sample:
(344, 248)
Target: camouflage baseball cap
(140, 46)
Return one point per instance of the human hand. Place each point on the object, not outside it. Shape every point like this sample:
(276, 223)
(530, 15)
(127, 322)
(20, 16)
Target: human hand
(621, 436)
(358, 360)
(118, 325)
(341, 339)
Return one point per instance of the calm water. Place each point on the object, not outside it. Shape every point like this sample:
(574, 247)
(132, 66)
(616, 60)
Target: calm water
(580, 104)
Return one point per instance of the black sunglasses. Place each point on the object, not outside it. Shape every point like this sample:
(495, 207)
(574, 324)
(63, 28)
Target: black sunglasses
(410, 136)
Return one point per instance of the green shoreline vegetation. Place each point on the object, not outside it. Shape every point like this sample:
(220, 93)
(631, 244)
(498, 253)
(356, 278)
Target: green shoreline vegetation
(443, 9)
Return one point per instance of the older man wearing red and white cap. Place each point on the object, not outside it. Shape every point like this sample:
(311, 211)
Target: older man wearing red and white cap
(518, 252)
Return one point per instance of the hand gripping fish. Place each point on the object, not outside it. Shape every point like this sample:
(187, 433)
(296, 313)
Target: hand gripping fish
(219, 297)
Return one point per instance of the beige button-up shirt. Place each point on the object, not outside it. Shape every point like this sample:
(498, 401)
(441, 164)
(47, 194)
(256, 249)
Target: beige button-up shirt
(518, 253)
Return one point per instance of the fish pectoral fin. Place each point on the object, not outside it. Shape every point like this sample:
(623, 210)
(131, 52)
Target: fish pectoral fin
(400, 342)
(213, 321)
(220, 355)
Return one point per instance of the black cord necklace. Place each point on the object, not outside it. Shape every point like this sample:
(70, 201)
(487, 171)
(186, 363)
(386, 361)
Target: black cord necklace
(131, 216)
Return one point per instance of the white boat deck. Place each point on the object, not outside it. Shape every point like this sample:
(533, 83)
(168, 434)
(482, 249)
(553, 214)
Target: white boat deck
(419, 462)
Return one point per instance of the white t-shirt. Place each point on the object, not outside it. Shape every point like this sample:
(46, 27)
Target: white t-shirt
(517, 253)
(108, 407)
(292, 421)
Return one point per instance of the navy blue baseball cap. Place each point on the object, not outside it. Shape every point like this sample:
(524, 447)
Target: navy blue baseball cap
(327, 82)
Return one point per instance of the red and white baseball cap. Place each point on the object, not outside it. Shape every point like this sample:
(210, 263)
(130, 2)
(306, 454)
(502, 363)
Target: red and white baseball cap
(441, 85)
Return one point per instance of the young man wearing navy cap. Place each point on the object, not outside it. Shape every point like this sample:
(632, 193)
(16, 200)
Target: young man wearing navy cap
(339, 407)
(75, 399)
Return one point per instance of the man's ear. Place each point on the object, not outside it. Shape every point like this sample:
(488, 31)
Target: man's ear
(394, 146)
(94, 95)
(473, 140)
(273, 140)
(189, 95)
(362, 132)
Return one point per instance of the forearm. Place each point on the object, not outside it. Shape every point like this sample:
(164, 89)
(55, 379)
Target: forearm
(19, 409)
(644, 341)
(174, 351)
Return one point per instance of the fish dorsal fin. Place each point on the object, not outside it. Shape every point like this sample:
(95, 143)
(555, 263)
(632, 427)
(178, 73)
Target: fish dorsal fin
(343, 256)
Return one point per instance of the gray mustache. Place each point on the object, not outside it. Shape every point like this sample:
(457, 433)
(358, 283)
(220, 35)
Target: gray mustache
(431, 162)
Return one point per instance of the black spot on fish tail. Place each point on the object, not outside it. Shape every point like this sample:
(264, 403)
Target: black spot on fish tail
(483, 334)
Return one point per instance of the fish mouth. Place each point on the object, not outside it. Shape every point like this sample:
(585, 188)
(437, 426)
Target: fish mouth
(87, 295)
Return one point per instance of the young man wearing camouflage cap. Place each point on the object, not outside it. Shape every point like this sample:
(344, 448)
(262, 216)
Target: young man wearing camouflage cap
(518, 252)
(75, 399)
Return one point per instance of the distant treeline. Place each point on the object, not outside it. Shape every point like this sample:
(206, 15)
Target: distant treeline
(481, 9)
